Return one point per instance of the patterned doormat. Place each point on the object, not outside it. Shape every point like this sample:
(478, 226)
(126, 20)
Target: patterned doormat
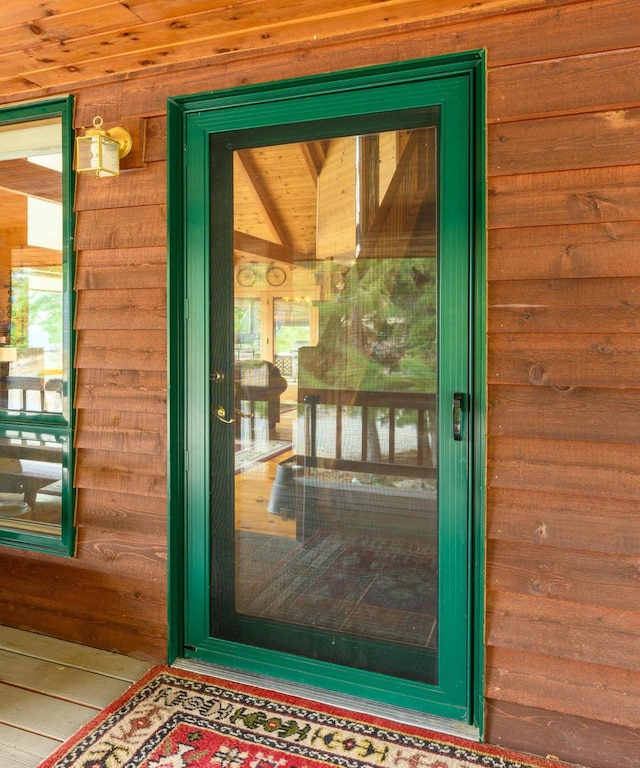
(177, 719)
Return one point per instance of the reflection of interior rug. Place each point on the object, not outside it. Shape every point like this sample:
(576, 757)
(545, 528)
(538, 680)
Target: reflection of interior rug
(177, 719)
(383, 588)
(249, 455)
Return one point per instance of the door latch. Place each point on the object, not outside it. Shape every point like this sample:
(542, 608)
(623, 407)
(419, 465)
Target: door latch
(457, 410)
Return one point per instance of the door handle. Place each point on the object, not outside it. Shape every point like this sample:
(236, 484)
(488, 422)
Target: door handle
(457, 409)
(221, 415)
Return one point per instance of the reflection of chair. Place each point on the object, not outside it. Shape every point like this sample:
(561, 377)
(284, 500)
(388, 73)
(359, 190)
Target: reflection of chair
(14, 480)
(259, 381)
(23, 384)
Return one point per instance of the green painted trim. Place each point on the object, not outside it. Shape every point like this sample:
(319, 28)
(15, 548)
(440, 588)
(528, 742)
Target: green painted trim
(479, 336)
(175, 348)
(191, 120)
(324, 675)
(59, 425)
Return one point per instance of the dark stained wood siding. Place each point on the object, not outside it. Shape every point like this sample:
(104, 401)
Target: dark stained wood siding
(563, 138)
(563, 607)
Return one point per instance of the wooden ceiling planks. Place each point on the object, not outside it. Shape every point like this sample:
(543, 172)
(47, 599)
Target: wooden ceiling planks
(28, 11)
(56, 31)
(53, 45)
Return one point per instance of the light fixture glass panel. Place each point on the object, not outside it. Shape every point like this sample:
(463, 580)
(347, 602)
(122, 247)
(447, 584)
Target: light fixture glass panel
(99, 154)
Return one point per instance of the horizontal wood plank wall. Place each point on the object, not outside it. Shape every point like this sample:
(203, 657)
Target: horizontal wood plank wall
(563, 614)
(563, 611)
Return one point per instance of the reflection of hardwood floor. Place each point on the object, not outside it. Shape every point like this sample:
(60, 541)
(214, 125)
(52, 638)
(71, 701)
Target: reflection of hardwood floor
(253, 489)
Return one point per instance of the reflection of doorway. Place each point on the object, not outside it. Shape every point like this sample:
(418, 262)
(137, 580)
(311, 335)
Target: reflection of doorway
(358, 581)
(291, 330)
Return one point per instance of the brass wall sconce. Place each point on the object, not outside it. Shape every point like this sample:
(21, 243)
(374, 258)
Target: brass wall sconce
(99, 151)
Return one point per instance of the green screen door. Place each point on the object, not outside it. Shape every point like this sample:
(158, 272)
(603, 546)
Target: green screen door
(329, 388)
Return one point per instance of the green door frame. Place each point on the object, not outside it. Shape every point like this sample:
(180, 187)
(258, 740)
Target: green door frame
(456, 84)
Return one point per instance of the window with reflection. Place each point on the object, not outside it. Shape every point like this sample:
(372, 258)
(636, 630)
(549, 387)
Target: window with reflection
(35, 345)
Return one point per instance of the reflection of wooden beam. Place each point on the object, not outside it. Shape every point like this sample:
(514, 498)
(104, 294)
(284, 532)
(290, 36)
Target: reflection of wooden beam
(256, 246)
(314, 155)
(27, 178)
(33, 256)
(391, 194)
(404, 224)
(253, 179)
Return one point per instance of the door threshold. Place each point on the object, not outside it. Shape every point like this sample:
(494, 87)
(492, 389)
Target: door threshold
(332, 698)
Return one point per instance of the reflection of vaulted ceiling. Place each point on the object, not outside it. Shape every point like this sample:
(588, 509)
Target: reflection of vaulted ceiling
(297, 201)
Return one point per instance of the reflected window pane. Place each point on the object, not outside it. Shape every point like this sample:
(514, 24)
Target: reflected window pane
(36, 500)
(31, 285)
(31, 483)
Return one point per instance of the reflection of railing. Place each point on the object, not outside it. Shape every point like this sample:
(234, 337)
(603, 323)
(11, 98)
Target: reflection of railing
(25, 384)
(418, 411)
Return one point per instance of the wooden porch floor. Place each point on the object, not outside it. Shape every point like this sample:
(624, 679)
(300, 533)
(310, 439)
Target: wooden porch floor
(49, 689)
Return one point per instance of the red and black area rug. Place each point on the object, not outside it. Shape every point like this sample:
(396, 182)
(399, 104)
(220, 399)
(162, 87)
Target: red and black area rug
(176, 719)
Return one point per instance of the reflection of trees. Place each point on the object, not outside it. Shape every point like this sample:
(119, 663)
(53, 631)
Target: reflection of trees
(30, 309)
(379, 334)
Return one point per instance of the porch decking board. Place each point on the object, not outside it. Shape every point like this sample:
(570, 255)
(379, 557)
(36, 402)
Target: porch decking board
(50, 688)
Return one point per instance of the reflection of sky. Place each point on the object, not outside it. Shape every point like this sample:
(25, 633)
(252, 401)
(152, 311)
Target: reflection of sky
(53, 161)
(44, 223)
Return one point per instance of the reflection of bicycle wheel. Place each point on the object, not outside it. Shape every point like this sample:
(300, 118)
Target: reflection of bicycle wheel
(246, 276)
(276, 276)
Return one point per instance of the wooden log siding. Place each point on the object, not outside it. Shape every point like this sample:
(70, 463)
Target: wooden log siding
(563, 162)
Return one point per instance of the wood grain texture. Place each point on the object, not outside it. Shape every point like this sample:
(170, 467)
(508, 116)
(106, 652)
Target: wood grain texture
(595, 305)
(574, 739)
(552, 30)
(132, 615)
(185, 38)
(55, 651)
(592, 140)
(571, 85)
(122, 431)
(127, 514)
(585, 196)
(141, 308)
(136, 186)
(566, 520)
(601, 470)
(118, 470)
(71, 684)
(122, 350)
(577, 688)
(609, 249)
(142, 227)
(596, 415)
(563, 361)
(599, 579)
(123, 390)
